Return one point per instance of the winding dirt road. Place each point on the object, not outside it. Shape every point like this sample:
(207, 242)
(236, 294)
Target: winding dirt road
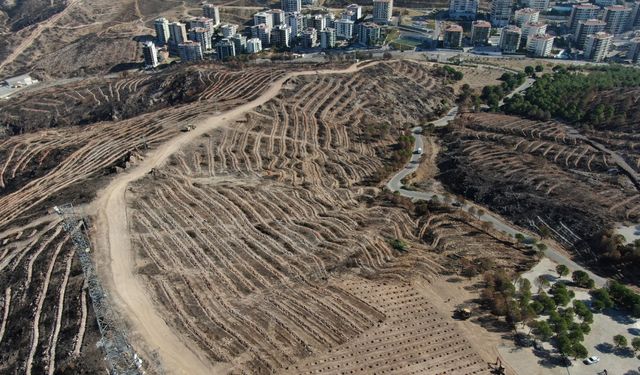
(116, 257)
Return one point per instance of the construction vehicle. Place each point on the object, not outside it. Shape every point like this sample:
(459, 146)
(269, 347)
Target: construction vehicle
(187, 128)
(462, 313)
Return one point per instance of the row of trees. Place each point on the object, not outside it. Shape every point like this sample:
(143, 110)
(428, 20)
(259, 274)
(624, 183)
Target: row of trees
(575, 96)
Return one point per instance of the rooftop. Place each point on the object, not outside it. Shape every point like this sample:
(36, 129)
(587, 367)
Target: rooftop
(527, 11)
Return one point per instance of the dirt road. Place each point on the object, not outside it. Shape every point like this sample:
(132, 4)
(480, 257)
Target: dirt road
(116, 257)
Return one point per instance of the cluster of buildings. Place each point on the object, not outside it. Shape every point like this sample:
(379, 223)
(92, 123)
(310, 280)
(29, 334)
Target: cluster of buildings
(591, 27)
(278, 29)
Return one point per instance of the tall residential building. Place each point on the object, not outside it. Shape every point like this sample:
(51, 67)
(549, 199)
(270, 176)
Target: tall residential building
(240, 43)
(254, 45)
(178, 35)
(162, 31)
(204, 22)
(294, 21)
(540, 45)
(344, 29)
(277, 16)
(480, 33)
(382, 10)
(533, 28)
(213, 12)
(540, 5)
(150, 55)
(510, 39)
(355, 10)
(281, 36)
(526, 15)
(634, 51)
(225, 49)
(453, 36)
(329, 20)
(291, 5)
(328, 38)
(585, 28)
(501, 12)
(309, 37)
(616, 17)
(318, 22)
(368, 33)
(262, 32)
(597, 46)
(263, 18)
(604, 3)
(634, 18)
(190, 51)
(228, 30)
(463, 9)
(202, 36)
(582, 12)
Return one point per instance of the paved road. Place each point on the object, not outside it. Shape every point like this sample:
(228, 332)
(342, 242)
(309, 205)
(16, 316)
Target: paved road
(395, 184)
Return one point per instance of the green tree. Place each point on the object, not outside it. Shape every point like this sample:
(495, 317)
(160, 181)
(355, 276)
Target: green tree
(582, 279)
(564, 345)
(539, 68)
(542, 330)
(579, 351)
(635, 344)
(620, 341)
(602, 299)
(562, 270)
(542, 282)
(561, 295)
(529, 70)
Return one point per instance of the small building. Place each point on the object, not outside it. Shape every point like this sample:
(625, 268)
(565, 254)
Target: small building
(480, 33)
(540, 45)
(453, 36)
(20, 81)
(510, 39)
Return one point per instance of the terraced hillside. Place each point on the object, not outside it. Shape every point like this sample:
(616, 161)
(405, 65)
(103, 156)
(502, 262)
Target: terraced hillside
(542, 175)
(47, 324)
(263, 246)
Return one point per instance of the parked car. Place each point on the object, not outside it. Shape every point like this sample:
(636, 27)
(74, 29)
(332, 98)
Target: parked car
(592, 360)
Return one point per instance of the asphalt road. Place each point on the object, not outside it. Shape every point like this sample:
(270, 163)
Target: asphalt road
(395, 184)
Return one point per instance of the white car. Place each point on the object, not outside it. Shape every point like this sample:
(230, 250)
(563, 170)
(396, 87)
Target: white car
(592, 360)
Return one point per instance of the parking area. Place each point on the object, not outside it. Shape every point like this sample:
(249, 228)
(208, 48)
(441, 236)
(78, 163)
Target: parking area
(599, 342)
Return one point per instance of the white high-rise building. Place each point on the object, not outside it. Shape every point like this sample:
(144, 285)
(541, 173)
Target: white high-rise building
(263, 18)
(150, 55)
(281, 36)
(634, 50)
(356, 11)
(162, 31)
(213, 12)
(526, 15)
(463, 9)
(510, 39)
(533, 28)
(617, 18)
(291, 5)
(202, 36)
(328, 38)
(585, 28)
(539, 5)
(225, 49)
(480, 32)
(597, 46)
(254, 45)
(228, 30)
(382, 11)
(178, 32)
(294, 21)
(190, 51)
(501, 12)
(344, 29)
(540, 45)
(582, 12)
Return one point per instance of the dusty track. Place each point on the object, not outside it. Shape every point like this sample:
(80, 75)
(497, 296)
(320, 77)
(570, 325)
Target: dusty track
(114, 244)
